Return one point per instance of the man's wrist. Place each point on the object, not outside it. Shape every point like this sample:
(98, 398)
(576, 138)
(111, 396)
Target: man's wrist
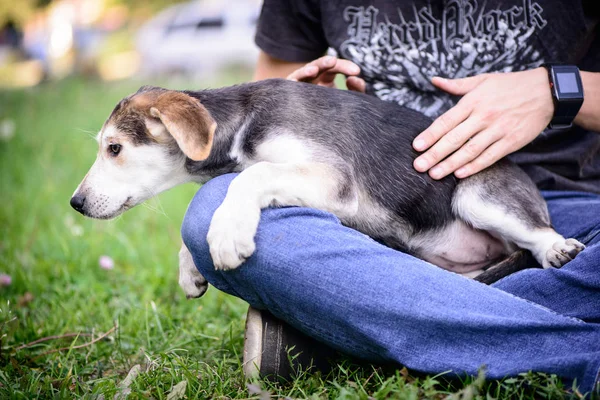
(589, 116)
(541, 79)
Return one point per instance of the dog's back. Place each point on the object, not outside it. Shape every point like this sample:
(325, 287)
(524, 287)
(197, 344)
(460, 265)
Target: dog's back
(451, 223)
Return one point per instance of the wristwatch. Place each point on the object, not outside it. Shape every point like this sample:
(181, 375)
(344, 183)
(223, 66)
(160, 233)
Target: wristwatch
(567, 94)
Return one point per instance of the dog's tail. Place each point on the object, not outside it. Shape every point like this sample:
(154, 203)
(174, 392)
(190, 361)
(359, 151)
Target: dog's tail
(517, 261)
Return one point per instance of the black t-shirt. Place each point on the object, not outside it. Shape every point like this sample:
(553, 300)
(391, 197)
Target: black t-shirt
(401, 45)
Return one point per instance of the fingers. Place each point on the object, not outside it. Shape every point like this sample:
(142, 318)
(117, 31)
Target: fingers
(458, 87)
(452, 129)
(469, 152)
(344, 67)
(442, 125)
(313, 69)
(323, 70)
(488, 157)
(304, 73)
(448, 144)
(356, 84)
(324, 78)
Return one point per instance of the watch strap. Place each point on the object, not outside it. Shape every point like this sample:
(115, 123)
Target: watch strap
(564, 113)
(564, 110)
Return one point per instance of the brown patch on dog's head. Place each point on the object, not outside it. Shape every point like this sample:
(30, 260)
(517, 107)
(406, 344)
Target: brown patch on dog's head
(182, 116)
(153, 113)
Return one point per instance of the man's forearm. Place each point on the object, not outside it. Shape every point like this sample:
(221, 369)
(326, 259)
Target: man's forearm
(270, 67)
(589, 115)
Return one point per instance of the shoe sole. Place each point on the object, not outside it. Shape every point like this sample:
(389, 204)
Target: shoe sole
(253, 340)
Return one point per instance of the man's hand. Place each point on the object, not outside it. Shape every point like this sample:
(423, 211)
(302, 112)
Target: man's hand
(497, 115)
(323, 71)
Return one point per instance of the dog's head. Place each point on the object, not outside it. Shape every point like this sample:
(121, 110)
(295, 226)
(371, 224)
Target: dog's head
(143, 147)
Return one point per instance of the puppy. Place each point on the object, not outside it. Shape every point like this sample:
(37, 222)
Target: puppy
(298, 144)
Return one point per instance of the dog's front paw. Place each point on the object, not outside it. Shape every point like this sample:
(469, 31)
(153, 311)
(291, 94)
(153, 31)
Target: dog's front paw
(562, 252)
(231, 235)
(190, 279)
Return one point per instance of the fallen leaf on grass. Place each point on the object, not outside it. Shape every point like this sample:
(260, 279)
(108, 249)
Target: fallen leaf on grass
(256, 389)
(253, 389)
(404, 372)
(124, 386)
(178, 391)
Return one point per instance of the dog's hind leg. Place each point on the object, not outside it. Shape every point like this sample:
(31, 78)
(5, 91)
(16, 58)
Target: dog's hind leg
(509, 206)
(234, 224)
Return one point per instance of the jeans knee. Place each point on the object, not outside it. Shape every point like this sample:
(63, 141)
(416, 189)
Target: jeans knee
(199, 215)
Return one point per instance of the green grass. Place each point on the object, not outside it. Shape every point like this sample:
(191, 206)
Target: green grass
(52, 253)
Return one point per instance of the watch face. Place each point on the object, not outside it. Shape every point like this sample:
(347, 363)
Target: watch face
(567, 82)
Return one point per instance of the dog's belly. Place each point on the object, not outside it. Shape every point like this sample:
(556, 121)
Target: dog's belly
(458, 248)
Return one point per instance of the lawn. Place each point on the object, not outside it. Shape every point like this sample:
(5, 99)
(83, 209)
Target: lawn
(101, 324)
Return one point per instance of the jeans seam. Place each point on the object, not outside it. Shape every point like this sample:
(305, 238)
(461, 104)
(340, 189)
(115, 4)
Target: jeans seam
(590, 236)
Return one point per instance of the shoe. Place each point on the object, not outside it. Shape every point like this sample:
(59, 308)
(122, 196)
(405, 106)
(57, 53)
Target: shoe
(274, 350)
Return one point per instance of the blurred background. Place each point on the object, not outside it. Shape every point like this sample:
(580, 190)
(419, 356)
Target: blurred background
(64, 65)
(118, 39)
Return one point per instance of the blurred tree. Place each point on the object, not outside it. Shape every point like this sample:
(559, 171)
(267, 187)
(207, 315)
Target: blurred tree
(17, 11)
(141, 7)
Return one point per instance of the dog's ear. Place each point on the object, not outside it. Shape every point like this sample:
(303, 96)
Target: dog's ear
(186, 120)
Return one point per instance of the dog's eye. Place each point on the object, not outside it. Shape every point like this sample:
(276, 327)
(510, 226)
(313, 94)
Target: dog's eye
(114, 148)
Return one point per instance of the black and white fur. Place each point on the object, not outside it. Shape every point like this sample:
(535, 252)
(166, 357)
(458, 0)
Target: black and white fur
(299, 144)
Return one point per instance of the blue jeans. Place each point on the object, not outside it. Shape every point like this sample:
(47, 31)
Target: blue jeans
(344, 289)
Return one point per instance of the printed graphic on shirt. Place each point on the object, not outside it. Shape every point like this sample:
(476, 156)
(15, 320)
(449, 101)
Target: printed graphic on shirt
(463, 39)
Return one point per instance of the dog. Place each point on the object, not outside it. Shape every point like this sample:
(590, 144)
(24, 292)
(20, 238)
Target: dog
(298, 144)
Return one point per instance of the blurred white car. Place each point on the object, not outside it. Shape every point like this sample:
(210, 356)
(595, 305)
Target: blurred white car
(199, 37)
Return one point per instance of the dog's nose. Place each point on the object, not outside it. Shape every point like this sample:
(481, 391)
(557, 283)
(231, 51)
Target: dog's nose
(77, 202)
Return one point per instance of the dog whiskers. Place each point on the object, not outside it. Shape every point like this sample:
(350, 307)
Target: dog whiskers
(154, 197)
(91, 134)
(157, 210)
